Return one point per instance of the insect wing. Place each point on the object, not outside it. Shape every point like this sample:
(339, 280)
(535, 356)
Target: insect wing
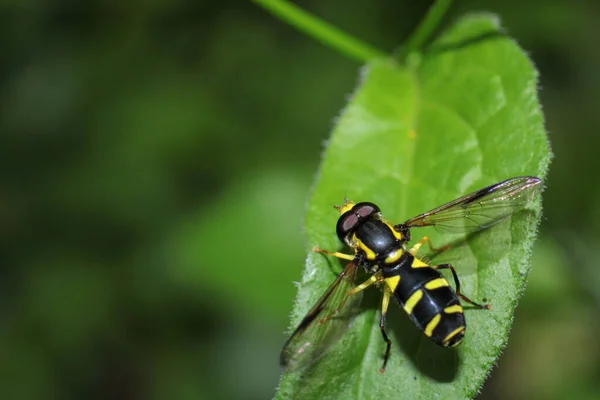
(313, 337)
(482, 208)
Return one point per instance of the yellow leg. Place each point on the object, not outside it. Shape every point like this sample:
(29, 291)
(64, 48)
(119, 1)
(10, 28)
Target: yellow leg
(337, 254)
(424, 240)
(373, 279)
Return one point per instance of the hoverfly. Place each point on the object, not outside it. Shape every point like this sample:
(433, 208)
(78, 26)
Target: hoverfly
(380, 248)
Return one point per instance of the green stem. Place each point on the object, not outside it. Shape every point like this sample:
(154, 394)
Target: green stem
(322, 31)
(426, 27)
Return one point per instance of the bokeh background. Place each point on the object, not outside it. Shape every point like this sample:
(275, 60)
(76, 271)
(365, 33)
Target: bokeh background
(156, 159)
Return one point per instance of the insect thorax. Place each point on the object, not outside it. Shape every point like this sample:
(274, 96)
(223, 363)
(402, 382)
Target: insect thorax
(377, 240)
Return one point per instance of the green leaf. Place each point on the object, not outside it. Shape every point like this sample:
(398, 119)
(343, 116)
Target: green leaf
(462, 116)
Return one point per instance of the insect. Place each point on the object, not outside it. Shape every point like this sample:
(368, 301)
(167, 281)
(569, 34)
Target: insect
(380, 248)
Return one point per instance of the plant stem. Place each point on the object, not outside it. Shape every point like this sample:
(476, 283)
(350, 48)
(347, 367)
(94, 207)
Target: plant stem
(426, 27)
(322, 31)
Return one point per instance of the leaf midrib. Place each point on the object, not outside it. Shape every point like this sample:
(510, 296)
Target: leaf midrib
(409, 154)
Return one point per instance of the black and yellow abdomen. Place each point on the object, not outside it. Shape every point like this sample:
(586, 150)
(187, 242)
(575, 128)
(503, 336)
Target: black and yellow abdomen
(428, 300)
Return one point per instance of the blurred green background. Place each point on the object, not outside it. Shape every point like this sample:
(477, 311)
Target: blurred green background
(156, 162)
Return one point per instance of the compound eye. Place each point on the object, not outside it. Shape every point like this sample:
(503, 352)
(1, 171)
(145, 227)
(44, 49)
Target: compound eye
(346, 224)
(365, 209)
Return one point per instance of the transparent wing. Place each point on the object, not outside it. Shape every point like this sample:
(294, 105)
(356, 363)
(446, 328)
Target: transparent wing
(482, 208)
(313, 336)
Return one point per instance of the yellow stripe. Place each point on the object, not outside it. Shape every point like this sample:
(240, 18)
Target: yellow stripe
(397, 234)
(457, 308)
(452, 334)
(432, 324)
(368, 252)
(392, 282)
(418, 264)
(395, 256)
(412, 301)
(436, 284)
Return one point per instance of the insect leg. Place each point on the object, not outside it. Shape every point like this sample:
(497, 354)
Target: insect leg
(384, 308)
(424, 240)
(457, 283)
(334, 254)
(373, 279)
